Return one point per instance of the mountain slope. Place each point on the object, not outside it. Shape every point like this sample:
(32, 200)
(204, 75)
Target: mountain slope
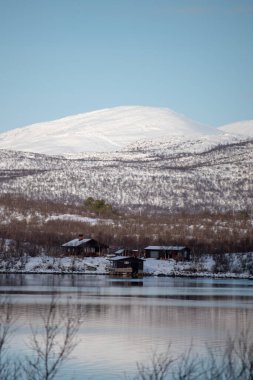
(244, 128)
(102, 131)
(215, 178)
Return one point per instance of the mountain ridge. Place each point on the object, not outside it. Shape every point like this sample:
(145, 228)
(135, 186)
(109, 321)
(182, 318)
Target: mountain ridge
(103, 130)
(242, 128)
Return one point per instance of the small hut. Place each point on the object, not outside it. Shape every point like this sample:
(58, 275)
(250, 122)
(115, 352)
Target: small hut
(128, 266)
(167, 252)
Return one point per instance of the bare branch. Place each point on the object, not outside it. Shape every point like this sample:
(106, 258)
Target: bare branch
(52, 346)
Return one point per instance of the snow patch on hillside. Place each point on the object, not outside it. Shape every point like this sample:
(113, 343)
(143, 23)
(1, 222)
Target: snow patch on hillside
(78, 218)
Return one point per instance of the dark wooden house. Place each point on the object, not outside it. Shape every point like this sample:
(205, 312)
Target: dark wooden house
(167, 252)
(85, 247)
(128, 266)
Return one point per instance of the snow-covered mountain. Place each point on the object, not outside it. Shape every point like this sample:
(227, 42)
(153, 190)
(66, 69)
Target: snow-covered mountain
(103, 131)
(133, 157)
(244, 128)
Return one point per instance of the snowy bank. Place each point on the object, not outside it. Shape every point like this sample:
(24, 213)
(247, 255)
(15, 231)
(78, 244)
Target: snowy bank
(237, 266)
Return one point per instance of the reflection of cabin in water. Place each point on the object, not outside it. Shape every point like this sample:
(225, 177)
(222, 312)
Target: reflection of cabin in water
(85, 247)
(126, 266)
(167, 252)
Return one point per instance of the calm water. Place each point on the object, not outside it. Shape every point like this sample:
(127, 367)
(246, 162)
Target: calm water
(124, 320)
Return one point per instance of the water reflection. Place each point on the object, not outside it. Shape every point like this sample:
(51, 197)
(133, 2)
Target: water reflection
(125, 319)
(125, 283)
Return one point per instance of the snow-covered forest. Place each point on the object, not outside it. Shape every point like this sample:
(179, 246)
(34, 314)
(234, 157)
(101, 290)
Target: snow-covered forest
(173, 175)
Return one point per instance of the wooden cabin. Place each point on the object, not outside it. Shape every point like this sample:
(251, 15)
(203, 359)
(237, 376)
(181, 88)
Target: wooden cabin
(179, 253)
(127, 266)
(84, 247)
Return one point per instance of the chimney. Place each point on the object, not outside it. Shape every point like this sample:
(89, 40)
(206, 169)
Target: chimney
(80, 236)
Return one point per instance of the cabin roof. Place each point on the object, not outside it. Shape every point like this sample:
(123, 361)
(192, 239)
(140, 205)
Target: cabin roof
(118, 258)
(76, 242)
(119, 251)
(165, 248)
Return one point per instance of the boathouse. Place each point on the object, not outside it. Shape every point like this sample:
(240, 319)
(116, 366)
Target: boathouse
(85, 247)
(167, 252)
(126, 266)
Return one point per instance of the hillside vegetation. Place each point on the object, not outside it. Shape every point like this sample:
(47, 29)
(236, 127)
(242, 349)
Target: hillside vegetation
(35, 227)
(193, 177)
(196, 192)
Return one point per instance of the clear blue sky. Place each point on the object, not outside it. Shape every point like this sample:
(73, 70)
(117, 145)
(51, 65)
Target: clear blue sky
(62, 57)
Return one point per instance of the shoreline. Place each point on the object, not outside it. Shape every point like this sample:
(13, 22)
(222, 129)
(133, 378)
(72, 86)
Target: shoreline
(238, 266)
(224, 276)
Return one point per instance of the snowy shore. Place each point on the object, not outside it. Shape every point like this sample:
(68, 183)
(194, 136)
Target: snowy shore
(206, 267)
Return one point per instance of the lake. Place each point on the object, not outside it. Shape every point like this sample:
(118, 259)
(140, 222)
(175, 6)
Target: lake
(125, 320)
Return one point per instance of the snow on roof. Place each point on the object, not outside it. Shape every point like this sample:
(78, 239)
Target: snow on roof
(75, 242)
(165, 247)
(124, 258)
(119, 258)
(119, 251)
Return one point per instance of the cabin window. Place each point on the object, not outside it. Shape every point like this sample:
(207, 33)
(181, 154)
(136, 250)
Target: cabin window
(126, 262)
(154, 254)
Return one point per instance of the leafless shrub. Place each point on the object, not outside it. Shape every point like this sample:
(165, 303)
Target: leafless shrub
(53, 345)
(234, 362)
(50, 348)
(159, 367)
(187, 366)
(9, 368)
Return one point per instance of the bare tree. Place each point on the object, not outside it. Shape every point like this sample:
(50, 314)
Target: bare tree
(235, 362)
(159, 367)
(238, 356)
(52, 346)
(9, 369)
(187, 366)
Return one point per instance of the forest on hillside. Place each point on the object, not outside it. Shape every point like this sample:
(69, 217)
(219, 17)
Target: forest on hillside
(34, 227)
